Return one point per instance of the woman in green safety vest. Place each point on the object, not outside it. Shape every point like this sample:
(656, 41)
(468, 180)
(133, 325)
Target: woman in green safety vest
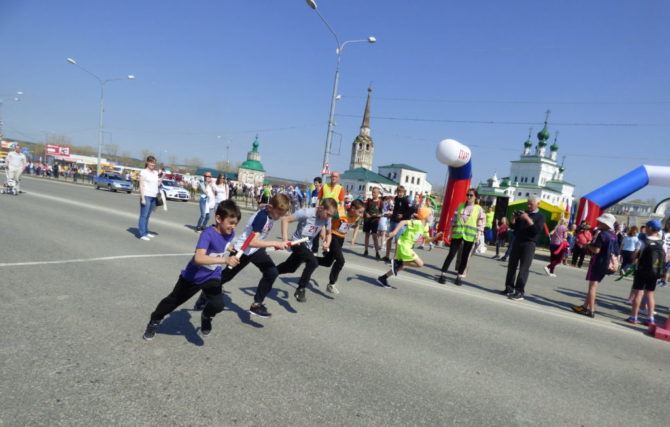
(468, 221)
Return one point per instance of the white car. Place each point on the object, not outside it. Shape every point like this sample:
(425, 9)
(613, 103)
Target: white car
(173, 191)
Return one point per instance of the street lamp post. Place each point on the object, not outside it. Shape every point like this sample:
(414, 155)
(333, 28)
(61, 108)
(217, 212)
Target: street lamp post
(2, 101)
(102, 105)
(334, 97)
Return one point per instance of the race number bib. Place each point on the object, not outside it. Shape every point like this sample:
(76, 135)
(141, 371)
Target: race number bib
(214, 266)
(345, 227)
(310, 231)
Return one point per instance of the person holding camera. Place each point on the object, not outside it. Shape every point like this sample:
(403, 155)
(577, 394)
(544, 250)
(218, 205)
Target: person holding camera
(528, 226)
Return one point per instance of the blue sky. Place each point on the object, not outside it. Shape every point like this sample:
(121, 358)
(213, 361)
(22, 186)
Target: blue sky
(237, 68)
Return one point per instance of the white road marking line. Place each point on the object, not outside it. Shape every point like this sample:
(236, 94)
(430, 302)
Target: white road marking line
(106, 258)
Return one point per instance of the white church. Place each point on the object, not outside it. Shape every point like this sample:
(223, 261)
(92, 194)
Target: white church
(537, 172)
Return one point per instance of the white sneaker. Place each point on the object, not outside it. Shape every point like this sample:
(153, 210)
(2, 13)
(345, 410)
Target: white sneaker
(151, 235)
(546, 270)
(552, 275)
(145, 238)
(332, 289)
(644, 312)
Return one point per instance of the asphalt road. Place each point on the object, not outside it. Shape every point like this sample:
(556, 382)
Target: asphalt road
(77, 288)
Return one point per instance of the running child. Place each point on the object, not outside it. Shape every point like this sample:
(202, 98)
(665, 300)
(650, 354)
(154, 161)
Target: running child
(405, 255)
(203, 272)
(342, 222)
(311, 222)
(260, 224)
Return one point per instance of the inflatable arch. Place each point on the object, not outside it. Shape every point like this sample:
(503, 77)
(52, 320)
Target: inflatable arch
(458, 157)
(594, 203)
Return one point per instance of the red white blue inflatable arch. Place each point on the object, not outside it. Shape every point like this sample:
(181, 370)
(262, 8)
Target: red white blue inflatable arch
(458, 157)
(594, 203)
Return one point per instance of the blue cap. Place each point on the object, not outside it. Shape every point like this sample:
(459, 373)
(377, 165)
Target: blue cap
(654, 224)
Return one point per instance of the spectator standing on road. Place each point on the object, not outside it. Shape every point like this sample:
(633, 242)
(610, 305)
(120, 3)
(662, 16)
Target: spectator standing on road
(373, 212)
(628, 248)
(501, 236)
(603, 245)
(332, 190)
(314, 194)
(148, 194)
(467, 223)
(16, 163)
(528, 225)
(583, 239)
(207, 197)
(557, 245)
(222, 190)
(651, 255)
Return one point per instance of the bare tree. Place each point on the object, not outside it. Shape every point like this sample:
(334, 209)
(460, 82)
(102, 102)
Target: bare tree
(195, 162)
(112, 150)
(146, 153)
(58, 139)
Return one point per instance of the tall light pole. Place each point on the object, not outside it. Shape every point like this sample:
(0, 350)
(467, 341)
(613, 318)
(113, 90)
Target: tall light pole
(2, 100)
(334, 97)
(102, 104)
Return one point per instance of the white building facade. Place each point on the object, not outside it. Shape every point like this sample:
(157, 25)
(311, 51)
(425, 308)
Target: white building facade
(413, 179)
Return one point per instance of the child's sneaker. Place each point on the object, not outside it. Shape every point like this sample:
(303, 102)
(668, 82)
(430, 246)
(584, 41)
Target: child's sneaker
(332, 289)
(205, 325)
(259, 310)
(633, 320)
(150, 331)
(650, 322)
(383, 282)
(546, 270)
(300, 295)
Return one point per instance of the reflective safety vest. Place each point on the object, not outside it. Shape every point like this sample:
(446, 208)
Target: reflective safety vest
(489, 219)
(466, 230)
(331, 192)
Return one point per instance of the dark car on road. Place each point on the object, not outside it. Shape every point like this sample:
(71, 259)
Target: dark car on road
(113, 182)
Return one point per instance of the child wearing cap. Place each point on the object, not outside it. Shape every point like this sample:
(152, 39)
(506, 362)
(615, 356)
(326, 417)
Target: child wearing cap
(603, 244)
(650, 253)
(405, 255)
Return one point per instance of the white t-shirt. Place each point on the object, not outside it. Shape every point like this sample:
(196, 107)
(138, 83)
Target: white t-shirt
(221, 193)
(149, 182)
(16, 160)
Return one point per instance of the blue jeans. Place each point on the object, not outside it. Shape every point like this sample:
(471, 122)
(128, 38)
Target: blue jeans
(145, 213)
(204, 214)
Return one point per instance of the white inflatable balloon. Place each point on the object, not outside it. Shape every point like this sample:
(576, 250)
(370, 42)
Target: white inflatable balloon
(452, 153)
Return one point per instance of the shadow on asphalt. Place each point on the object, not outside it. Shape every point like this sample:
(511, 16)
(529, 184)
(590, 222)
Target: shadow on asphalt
(367, 279)
(179, 323)
(293, 282)
(190, 227)
(242, 313)
(280, 296)
(133, 230)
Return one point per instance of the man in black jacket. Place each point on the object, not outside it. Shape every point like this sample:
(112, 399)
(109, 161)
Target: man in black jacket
(528, 226)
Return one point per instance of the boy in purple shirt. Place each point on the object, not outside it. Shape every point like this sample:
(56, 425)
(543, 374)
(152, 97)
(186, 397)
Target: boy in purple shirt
(203, 272)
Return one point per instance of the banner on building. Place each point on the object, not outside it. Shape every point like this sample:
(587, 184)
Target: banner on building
(57, 150)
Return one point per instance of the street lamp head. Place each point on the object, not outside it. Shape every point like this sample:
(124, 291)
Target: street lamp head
(131, 76)
(372, 39)
(338, 97)
(311, 3)
(19, 93)
(71, 61)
